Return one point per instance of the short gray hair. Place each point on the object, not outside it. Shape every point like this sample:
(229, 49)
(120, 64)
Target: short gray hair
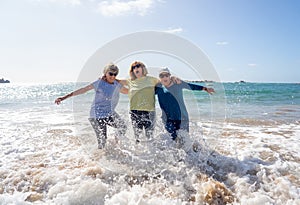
(111, 67)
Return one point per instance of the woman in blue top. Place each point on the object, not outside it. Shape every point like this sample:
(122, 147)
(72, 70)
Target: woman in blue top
(170, 98)
(102, 113)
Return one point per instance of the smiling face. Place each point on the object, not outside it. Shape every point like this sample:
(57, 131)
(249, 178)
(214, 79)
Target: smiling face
(110, 76)
(110, 72)
(165, 78)
(137, 70)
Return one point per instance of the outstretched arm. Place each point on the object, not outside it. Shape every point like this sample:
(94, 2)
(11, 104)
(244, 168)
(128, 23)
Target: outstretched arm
(209, 90)
(192, 86)
(74, 93)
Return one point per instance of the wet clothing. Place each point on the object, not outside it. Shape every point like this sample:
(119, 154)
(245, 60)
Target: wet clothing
(174, 112)
(102, 112)
(100, 127)
(140, 120)
(142, 105)
(172, 126)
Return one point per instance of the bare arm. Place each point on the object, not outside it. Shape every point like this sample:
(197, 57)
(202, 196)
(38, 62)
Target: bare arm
(209, 90)
(124, 90)
(122, 81)
(74, 93)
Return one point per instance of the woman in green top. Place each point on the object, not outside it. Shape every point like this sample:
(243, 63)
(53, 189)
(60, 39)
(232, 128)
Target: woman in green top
(142, 99)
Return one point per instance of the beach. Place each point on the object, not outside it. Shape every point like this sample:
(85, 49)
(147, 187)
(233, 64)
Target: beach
(249, 155)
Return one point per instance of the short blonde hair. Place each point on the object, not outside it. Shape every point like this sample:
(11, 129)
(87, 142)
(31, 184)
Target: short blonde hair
(137, 64)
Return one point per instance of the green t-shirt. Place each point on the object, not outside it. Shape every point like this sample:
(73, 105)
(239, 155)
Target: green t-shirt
(141, 93)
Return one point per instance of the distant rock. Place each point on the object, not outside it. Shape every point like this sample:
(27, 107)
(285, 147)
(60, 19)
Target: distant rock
(4, 81)
(241, 81)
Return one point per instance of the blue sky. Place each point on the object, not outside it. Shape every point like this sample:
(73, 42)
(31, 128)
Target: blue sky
(51, 40)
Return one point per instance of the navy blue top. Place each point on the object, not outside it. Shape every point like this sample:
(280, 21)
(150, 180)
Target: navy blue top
(171, 100)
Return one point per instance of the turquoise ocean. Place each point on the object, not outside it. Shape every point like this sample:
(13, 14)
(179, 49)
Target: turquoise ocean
(247, 135)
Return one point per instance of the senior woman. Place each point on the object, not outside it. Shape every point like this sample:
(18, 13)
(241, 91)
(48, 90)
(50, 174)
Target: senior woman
(102, 112)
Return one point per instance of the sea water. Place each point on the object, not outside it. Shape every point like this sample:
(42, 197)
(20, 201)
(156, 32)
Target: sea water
(247, 154)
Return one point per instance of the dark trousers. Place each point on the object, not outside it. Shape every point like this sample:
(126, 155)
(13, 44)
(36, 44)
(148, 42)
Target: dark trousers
(100, 127)
(172, 126)
(142, 120)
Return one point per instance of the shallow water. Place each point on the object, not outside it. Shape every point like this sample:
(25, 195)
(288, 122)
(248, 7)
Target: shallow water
(49, 156)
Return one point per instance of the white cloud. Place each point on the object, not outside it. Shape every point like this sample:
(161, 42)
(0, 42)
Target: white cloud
(222, 43)
(69, 2)
(252, 64)
(112, 7)
(119, 8)
(174, 30)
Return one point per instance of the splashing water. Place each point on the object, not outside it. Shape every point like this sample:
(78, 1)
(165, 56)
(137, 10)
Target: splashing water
(48, 158)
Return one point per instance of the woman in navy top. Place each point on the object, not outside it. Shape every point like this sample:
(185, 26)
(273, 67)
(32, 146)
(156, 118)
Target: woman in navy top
(102, 113)
(170, 98)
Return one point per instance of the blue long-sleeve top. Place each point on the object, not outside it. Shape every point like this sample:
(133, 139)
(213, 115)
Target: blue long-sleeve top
(171, 100)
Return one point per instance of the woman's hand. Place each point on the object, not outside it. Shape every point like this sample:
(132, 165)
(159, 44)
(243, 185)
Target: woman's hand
(209, 90)
(58, 100)
(176, 80)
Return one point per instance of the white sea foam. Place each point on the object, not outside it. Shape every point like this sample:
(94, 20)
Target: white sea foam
(48, 161)
(48, 158)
